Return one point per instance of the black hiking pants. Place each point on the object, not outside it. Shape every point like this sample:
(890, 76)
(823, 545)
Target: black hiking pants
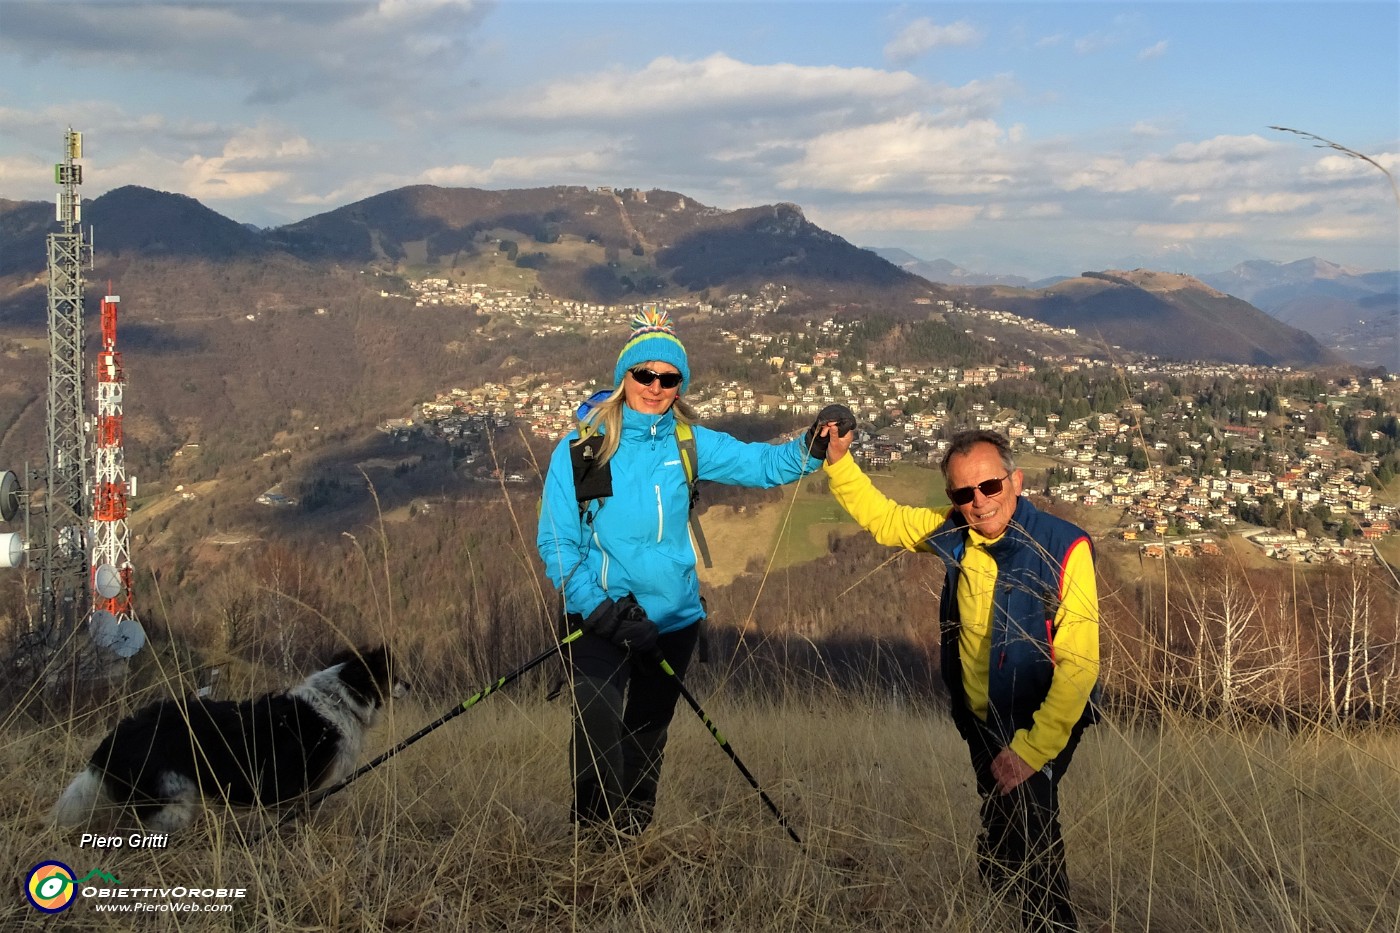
(622, 708)
(1020, 850)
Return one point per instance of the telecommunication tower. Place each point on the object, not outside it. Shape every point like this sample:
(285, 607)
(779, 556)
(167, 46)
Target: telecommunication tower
(84, 554)
(111, 540)
(64, 588)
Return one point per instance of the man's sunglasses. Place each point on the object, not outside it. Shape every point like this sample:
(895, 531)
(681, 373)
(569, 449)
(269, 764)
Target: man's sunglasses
(988, 487)
(645, 377)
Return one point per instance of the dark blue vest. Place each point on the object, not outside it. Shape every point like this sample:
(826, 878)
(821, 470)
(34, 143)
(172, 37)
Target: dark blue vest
(1030, 561)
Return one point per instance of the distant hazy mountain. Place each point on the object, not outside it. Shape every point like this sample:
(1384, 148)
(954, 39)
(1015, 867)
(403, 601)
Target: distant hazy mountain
(1356, 312)
(1310, 293)
(947, 273)
(1174, 316)
(1190, 258)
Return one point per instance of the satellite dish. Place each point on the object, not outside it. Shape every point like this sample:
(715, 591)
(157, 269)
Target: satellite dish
(121, 637)
(9, 496)
(106, 581)
(11, 550)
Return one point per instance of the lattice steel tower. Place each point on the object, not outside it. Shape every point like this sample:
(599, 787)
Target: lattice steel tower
(67, 512)
(111, 539)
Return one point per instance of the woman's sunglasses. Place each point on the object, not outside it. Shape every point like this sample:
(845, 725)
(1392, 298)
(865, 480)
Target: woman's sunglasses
(988, 487)
(645, 377)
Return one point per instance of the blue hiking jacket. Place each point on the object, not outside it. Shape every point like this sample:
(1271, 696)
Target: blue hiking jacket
(638, 540)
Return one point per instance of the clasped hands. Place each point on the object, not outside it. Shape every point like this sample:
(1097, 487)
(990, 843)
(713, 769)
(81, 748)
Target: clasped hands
(833, 421)
(624, 623)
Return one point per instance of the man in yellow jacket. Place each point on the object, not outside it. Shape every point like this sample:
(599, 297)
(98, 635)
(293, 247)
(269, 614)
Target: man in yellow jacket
(1019, 620)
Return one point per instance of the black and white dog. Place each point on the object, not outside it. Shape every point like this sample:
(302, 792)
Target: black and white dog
(161, 761)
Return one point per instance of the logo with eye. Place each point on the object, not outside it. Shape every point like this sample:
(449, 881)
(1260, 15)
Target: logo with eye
(50, 887)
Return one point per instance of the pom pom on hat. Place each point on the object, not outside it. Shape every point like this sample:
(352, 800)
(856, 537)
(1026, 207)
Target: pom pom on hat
(652, 338)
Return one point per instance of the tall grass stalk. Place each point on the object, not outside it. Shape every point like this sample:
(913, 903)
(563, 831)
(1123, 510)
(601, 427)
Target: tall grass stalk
(1171, 824)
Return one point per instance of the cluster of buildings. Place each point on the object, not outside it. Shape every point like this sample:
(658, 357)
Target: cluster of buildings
(905, 404)
(1299, 548)
(542, 314)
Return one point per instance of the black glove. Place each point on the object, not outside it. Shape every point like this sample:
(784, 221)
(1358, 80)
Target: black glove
(634, 632)
(603, 620)
(845, 423)
(624, 623)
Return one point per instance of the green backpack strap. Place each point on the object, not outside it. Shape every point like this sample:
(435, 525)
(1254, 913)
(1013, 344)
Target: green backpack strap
(685, 440)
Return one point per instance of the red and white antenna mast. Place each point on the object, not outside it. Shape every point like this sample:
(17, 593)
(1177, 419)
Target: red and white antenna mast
(111, 540)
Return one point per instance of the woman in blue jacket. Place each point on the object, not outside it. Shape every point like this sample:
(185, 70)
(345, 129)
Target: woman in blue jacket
(626, 565)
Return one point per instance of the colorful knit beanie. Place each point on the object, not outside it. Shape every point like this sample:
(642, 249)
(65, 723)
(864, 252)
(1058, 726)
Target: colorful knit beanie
(652, 338)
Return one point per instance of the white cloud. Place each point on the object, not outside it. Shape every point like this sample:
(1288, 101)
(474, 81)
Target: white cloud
(1223, 147)
(876, 219)
(1272, 203)
(1213, 163)
(906, 153)
(1042, 210)
(1094, 42)
(1154, 51)
(253, 162)
(923, 35)
(672, 87)
(1331, 233)
(398, 9)
(546, 169)
(1340, 167)
(1196, 231)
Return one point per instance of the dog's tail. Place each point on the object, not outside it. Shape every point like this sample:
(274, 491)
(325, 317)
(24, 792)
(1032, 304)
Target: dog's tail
(80, 801)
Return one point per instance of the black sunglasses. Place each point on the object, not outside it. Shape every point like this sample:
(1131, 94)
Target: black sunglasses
(988, 487)
(645, 377)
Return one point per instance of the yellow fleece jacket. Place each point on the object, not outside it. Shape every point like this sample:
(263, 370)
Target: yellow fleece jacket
(1076, 646)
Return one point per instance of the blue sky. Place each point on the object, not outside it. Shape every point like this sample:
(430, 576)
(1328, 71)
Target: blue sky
(1029, 138)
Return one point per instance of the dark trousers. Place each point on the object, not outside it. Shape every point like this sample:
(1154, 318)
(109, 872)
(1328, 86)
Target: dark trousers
(1020, 849)
(622, 708)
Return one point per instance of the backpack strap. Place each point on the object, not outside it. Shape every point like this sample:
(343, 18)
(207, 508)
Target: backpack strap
(592, 479)
(685, 440)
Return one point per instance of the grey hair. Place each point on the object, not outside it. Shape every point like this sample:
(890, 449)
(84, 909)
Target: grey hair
(964, 441)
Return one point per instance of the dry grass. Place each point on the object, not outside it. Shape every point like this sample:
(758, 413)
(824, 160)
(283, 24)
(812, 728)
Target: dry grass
(1172, 825)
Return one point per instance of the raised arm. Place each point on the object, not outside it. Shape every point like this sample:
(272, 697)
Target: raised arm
(891, 524)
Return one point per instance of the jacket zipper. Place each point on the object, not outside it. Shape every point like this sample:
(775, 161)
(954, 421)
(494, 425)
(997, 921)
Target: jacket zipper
(660, 512)
(603, 571)
(660, 515)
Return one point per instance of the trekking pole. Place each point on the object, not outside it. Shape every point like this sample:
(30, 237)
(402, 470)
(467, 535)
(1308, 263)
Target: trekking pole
(728, 750)
(456, 711)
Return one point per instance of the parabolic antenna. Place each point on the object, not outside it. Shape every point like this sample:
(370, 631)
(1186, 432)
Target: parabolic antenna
(121, 637)
(9, 495)
(11, 550)
(106, 581)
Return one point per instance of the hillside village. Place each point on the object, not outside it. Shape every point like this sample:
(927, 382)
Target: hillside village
(904, 411)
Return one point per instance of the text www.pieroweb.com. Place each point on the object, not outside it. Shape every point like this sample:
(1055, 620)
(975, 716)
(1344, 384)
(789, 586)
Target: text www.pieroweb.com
(167, 907)
(181, 900)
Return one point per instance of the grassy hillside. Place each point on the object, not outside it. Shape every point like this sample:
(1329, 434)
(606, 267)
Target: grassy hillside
(777, 535)
(1170, 825)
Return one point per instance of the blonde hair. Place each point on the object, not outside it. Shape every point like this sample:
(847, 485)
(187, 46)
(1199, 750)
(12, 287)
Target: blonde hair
(606, 419)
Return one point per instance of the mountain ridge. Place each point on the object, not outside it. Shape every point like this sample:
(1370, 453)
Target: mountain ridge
(605, 245)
